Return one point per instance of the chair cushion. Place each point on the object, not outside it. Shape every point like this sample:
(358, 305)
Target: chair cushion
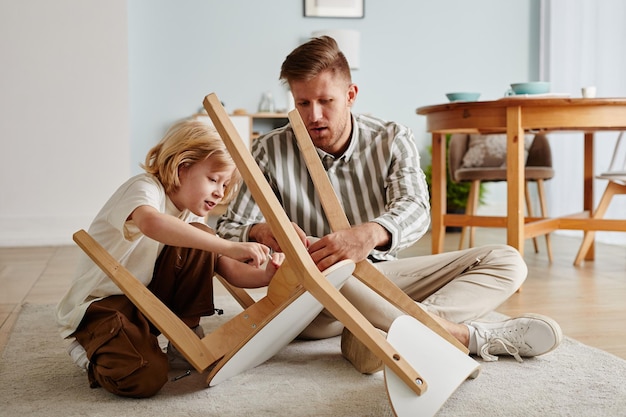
(490, 150)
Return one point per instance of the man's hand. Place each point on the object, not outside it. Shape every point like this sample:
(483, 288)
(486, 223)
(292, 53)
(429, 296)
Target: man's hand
(355, 243)
(262, 233)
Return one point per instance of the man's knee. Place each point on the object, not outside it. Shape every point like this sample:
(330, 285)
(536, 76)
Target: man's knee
(509, 263)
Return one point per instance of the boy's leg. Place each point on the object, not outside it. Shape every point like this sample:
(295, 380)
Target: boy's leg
(183, 280)
(125, 357)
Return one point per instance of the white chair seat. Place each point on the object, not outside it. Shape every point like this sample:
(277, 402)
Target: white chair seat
(615, 175)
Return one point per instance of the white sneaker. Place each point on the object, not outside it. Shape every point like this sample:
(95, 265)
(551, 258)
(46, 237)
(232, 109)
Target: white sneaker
(528, 335)
(78, 355)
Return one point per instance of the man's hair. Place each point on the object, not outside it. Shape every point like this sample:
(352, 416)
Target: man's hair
(314, 57)
(187, 142)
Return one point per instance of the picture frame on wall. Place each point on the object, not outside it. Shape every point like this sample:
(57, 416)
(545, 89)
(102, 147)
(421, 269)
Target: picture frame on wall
(354, 9)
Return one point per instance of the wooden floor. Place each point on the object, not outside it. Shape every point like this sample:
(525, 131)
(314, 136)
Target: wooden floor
(589, 302)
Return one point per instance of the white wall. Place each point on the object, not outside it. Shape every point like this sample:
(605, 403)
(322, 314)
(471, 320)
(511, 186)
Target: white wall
(412, 53)
(89, 86)
(64, 115)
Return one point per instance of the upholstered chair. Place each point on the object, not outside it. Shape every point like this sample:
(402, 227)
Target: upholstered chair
(479, 158)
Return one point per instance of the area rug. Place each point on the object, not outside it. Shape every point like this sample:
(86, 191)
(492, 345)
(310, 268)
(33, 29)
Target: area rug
(306, 378)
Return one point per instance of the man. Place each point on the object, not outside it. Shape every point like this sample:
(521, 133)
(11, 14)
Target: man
(374, 168)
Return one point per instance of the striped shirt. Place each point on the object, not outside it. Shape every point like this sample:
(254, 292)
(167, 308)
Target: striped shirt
(377, 179)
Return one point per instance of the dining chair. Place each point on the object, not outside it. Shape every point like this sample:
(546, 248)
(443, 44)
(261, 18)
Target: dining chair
(616, 176)
(477, 158)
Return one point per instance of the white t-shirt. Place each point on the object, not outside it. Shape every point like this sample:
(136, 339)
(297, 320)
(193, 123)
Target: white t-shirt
(123, 240)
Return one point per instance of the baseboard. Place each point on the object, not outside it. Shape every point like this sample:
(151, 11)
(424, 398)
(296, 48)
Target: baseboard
(40, 231)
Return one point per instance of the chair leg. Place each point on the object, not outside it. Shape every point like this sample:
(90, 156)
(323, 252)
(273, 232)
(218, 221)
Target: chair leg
(529, 210)
(472, 203)
(473, 199)
(239, 294)
(611, 189)
(463, 230)
(541, 191)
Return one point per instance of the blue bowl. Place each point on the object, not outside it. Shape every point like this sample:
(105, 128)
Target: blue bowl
(463, 96)
(535, 87)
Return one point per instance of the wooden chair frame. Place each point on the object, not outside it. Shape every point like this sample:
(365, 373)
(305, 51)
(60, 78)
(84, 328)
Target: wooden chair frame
(201, 353)
(337, 219)
(297, 275)
(616, 176)
(300, 261)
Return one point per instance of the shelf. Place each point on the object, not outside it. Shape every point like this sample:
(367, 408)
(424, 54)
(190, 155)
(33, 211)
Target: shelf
(265, 115)
(252, 125)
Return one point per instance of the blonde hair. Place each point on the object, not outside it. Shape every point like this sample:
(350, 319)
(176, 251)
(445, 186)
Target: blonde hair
(314, 57)
(187, 142)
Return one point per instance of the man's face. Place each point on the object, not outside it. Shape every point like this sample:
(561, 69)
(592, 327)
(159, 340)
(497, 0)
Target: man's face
(324, 104)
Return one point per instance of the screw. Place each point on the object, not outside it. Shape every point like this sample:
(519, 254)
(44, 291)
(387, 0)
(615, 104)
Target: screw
(176, 378)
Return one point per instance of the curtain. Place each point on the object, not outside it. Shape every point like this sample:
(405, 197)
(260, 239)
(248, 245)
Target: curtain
(583, 43)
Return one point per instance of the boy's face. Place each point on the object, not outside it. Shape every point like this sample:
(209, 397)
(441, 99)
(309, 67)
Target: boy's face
(324, 103)
(202, 186)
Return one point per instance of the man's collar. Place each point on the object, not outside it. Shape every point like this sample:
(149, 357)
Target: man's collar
(354, 138)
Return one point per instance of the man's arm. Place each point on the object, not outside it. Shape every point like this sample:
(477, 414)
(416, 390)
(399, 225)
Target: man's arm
(241, 215)
(262, 233)
(407, 211)
(244, 221)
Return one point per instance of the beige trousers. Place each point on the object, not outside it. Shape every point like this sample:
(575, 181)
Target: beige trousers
(459, 286)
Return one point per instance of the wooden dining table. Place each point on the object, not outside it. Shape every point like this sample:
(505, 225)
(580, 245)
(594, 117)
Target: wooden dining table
(515, 116)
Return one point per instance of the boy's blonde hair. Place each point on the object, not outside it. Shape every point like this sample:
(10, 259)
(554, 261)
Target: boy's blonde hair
(187, 142)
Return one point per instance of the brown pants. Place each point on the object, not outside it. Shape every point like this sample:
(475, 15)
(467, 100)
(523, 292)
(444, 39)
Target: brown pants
(121, 344)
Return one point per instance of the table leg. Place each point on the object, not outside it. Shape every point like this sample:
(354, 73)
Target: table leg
(588, 185)
(515, 178)
(438, 192)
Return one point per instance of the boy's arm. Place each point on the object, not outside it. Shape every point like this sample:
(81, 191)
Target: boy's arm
(245, 276)
(172, 231)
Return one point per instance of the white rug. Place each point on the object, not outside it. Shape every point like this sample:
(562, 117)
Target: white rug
(309, 378)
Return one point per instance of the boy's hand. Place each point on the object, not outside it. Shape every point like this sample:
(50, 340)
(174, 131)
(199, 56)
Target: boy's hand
(252, 253)
(274, 261)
